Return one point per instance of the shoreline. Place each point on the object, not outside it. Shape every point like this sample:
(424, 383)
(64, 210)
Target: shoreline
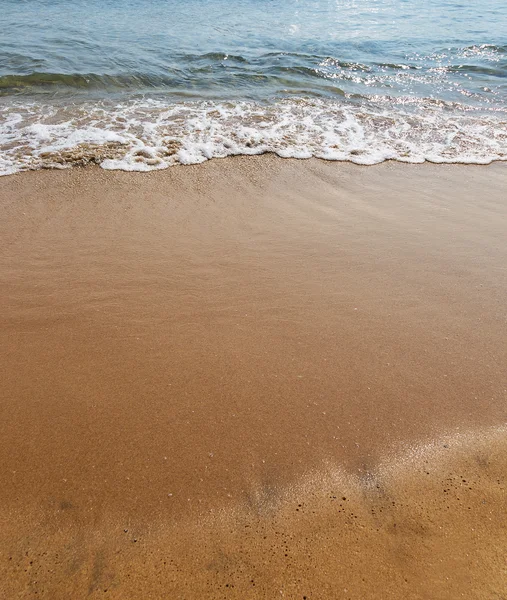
(107, 157)
(82, 159)
(186, 341)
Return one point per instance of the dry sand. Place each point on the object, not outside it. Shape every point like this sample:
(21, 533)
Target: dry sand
(254, 378)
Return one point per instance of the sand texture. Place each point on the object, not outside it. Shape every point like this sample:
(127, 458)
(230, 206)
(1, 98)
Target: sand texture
(254, 378)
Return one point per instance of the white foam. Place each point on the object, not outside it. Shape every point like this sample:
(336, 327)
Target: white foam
(150, 134)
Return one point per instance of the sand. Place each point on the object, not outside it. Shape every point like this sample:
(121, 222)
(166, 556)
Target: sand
(254, 378)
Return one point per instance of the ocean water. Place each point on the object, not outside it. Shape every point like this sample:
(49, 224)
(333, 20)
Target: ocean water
(145, 84)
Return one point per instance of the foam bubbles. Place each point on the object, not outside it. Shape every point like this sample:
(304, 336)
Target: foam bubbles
(148, 134)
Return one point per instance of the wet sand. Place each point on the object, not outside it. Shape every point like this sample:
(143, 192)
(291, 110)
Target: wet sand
(254, 377)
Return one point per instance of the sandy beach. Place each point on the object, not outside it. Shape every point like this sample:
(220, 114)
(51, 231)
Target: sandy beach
(254, 378)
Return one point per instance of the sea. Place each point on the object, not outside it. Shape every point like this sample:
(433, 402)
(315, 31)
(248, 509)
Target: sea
(140, 85)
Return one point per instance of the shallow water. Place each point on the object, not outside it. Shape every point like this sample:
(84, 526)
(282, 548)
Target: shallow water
(143, 84)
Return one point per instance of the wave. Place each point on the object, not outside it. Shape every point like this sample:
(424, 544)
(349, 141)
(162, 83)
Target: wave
(219, 75)
(483, 49)
(499, 71)
(286, 79)
(10, 84)
(147, 134)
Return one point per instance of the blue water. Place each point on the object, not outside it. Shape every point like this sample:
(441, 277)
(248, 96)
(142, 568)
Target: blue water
(143, 84)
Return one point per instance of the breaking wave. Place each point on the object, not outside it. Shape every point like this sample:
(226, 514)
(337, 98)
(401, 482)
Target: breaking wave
(146, 134)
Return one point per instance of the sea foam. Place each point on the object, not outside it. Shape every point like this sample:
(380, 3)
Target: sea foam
(147, 134)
